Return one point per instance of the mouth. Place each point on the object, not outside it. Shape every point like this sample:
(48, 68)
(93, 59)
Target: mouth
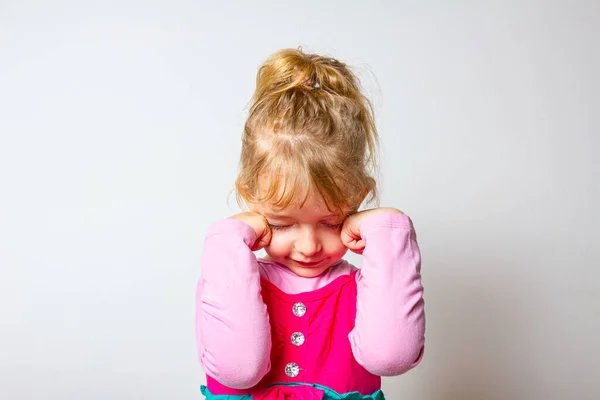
(309, 264)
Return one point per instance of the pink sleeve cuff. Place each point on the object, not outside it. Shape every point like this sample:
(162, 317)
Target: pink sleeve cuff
(233, 227)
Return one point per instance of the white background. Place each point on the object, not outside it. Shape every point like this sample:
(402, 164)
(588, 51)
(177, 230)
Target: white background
(120, 127)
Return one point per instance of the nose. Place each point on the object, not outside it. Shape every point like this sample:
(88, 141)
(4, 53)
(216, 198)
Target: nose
(307, 242)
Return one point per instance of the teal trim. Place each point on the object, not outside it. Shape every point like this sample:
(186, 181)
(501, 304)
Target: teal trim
(209, 396)
(330, 394)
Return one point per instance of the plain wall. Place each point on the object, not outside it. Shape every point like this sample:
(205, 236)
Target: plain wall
(120, 128)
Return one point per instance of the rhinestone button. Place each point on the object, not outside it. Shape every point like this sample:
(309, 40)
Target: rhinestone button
(292, 370)
(298, 338)
(299, 309)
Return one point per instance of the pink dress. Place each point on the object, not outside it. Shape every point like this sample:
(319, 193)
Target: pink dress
(342, 330)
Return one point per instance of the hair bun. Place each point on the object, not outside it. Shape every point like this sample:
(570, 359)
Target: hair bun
(290, 69)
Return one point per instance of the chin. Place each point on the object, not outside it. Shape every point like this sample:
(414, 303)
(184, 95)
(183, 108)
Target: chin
(308, 272)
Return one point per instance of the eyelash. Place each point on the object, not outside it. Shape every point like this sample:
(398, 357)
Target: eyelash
(278, 227)
(282, 227)
(333, 226)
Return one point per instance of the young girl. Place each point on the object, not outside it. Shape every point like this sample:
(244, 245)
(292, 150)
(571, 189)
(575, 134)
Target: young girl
(303, 323)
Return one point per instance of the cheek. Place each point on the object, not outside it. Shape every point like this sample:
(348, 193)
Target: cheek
(333, 243)
(279, 246)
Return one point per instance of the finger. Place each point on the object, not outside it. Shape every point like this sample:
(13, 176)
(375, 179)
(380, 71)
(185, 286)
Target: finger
(351, 240)
(356, 246)
(349, 225)
(264, 239)
(346, 239)
(350, 231)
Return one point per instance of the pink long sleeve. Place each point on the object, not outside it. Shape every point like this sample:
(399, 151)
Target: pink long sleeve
(388, 337)
(232, 324)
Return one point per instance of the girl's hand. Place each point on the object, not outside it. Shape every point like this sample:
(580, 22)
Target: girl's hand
(260, 226)
(350, 233)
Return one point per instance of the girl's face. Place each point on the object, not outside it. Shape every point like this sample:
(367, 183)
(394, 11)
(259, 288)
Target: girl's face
(305, 239)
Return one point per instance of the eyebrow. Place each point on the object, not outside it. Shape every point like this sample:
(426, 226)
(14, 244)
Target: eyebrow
(278, 216)
(287, 216)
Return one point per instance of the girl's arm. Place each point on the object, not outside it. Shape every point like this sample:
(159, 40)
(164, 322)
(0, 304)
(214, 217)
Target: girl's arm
(232, 325)
(388, 337)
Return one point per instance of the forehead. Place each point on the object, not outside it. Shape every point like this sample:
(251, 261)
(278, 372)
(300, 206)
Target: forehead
(313, 208)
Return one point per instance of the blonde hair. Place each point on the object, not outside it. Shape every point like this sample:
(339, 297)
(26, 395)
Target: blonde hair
(309, 128)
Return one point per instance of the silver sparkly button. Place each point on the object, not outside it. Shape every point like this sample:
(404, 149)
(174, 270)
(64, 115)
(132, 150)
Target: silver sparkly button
(297, 338)
(299, 309)
(292, 370)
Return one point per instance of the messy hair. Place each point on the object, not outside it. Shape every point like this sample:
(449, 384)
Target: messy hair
(309, 129)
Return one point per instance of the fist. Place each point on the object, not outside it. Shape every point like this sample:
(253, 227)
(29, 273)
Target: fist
(260, 226)
(350, 233)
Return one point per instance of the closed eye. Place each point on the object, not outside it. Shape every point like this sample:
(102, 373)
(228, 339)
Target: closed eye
(279, 227)
(333, 226)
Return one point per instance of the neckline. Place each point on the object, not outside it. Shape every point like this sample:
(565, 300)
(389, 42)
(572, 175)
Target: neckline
(312, 295)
